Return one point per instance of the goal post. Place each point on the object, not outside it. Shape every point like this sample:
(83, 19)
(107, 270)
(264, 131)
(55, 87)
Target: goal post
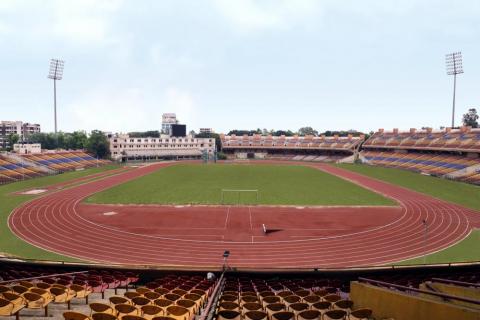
(235, 196)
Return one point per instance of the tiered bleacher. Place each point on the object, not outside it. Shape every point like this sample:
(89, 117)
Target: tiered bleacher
(15, 167)
(464, 139)
(65, 160)
(449, 153)
(12, 170)
(299, 148)
(37, 291)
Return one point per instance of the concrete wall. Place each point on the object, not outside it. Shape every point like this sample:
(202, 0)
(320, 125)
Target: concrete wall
(400, 306)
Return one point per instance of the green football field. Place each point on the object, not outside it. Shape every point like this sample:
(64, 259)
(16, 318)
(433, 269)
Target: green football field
(276, 185)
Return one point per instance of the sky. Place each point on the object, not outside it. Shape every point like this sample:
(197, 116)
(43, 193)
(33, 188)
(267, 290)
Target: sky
(238, 64)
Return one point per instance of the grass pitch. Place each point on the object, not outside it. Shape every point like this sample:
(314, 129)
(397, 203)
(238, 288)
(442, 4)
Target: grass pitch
(277, 185)
(464, 194)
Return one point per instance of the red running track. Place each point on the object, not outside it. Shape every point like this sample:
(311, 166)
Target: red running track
(184, 236)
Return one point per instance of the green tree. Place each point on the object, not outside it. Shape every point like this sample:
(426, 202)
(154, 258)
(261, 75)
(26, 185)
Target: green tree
(97, 144)
(12, 139)
(307, 131)
(471, 118)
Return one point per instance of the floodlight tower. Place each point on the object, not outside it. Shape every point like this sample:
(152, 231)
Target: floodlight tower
(454, 66)
(55, 73)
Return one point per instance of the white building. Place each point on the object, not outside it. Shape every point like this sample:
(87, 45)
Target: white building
(206, 130)
(16, 127)
(122, 146)
(167, 120)
(27, 148)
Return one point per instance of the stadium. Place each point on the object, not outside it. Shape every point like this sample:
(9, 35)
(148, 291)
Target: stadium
(129, 222)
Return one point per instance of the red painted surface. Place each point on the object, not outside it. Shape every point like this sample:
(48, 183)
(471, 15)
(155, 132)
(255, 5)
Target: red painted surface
(197, 236)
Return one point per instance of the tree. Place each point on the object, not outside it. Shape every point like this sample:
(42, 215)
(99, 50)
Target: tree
(97, 144)
(307, 131)
(470, 118)
(12, 139)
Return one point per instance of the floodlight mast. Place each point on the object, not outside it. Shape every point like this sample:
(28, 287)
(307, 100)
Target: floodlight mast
(454, 66)
(55, 73)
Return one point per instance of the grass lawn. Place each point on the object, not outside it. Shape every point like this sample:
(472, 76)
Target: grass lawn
(464, 251)
(9, 243)
(277, 185)
(457, 192)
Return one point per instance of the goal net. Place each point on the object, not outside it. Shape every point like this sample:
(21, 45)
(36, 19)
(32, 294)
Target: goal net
(239, 196)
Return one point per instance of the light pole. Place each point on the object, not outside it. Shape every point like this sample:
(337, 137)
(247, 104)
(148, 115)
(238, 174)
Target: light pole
(55, 73)
(425, 235)
(454, 66)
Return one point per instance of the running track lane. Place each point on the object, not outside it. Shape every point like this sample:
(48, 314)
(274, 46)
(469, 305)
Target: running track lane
(53, 223)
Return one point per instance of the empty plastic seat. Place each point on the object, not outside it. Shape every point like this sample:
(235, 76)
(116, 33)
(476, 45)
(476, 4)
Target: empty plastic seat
(72, 315)
(97, 307)
(283, 315)
(228, 315)
(360, 314)
(255, 315)
(309, 315)
(334, 315)
(151, 311)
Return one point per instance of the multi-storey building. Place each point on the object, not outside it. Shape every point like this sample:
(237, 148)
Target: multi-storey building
(122, 146)
(16, 127)
(167, 120)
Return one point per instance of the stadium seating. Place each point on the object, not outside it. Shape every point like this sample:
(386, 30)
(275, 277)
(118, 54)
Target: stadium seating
(435, 164)
(12, 170)
(290, 143)
(64, 161)
(295, 299)
(463, 139)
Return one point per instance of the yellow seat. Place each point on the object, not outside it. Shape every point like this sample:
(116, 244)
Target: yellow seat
(124, 309)
(81, 291)
(132, 317)
(151, 311)
(103, 316)
(251, 306)
(190, 305)
(309, 315)
(14, 298)
(228, 315)
(7, 308)
(283, 315)
(72, 315)
(97, 307)
(61, 295)
(36, 301)
(178, 312)
(274, 308)
(140, 301)
(360, 314)
(335, 315)
(255, 315)
(118, 300)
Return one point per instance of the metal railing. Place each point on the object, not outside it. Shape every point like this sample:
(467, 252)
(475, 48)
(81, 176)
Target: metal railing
(404, 288)
(456, 282)
(209, 310)
(43, 277)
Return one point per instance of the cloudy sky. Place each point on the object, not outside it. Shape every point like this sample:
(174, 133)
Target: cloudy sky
(225, 64)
